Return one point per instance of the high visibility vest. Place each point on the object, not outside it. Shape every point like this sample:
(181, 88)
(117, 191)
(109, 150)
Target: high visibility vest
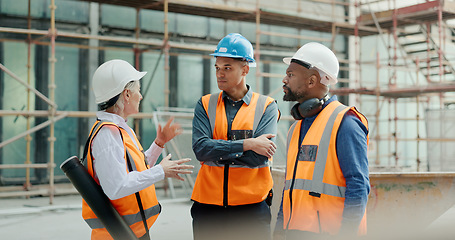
(229, 184)
(127, 207)
(314, 191)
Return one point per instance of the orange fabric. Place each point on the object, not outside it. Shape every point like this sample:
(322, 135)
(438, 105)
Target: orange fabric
(310, 213)
(127, 205)
(245, 185)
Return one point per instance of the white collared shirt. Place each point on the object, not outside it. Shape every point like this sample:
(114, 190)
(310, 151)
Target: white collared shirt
(109, 163)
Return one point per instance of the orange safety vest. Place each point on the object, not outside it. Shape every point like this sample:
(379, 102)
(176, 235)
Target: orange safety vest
(317, 187)
(231, 184)
(127, 207)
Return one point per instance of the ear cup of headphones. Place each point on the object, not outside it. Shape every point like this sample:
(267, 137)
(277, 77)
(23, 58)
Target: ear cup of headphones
(295, 112)
(308, 108)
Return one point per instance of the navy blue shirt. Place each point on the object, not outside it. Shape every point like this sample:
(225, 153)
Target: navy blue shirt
(207, 149)
(351, 148)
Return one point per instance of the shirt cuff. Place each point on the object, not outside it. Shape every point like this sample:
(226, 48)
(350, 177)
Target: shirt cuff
(155, 145)
(237, 148)
(159, 171)
(153, 153)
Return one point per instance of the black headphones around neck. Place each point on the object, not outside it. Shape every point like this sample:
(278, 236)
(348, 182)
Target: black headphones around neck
(308, 108)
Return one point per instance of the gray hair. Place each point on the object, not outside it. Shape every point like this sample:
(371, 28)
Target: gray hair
(119, 105)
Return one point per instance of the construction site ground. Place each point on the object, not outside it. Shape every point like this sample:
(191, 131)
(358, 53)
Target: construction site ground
(34, 218)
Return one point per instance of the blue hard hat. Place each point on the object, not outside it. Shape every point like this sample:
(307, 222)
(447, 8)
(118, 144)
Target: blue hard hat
(235, 45)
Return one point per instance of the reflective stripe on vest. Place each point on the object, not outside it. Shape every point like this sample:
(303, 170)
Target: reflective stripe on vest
(95, 223)
(317, 185)
(308, 185)
(288, 140)
(216, 164)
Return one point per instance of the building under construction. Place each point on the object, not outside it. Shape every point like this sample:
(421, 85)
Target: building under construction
(397, 66)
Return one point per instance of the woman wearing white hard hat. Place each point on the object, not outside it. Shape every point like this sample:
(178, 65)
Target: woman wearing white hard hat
(116, 159)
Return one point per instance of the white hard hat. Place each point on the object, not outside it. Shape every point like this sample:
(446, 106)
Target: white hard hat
(111, 77)
(316, 55)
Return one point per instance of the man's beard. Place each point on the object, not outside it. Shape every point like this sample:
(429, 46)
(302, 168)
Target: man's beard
(292, 96)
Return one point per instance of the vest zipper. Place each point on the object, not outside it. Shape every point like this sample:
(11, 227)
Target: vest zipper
(225, 185)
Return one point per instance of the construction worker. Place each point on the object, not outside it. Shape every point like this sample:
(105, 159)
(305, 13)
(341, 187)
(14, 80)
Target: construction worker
(327, 184)
(233, 138)
(115, 158)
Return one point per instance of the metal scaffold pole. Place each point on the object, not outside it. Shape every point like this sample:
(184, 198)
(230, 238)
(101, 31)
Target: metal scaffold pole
(258, 45)
(166, 54)
(52, 110)
(378, 111)
(28, 138)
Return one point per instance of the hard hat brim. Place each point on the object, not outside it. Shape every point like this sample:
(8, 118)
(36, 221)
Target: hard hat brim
(225, 55)
(287, 60)
(228, 55)
(139, 76)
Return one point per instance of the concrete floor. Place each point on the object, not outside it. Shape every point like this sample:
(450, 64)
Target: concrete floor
(34, 218)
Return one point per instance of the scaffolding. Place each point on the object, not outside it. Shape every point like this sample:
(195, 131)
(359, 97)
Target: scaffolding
(395, 23)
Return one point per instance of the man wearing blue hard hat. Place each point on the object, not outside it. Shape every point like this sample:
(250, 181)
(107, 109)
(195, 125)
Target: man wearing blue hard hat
(233, 138)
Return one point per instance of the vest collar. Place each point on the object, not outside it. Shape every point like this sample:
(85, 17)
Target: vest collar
(119, 121)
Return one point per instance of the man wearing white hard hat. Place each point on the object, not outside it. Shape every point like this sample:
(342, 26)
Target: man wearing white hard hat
(233, 138)
(116, 159)
(327, 181)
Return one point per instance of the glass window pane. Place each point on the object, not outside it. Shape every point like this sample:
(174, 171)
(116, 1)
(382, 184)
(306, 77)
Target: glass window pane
(75, 11)
(118, 16)
(15, 98)
(66, 97)
(152, 20)
(189, 80)
(152, 90)
(186, 25)
(39, 8)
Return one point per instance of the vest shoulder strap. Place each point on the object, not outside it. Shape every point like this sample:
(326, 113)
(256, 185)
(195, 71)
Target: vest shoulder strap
(289, 137)
(92, 134)
(259, 110)
(211, 110)
(323, 149)
(260, 107)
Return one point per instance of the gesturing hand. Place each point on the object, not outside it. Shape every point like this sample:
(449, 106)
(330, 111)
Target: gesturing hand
(261, 145)
(172, 169)
(166, 133)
